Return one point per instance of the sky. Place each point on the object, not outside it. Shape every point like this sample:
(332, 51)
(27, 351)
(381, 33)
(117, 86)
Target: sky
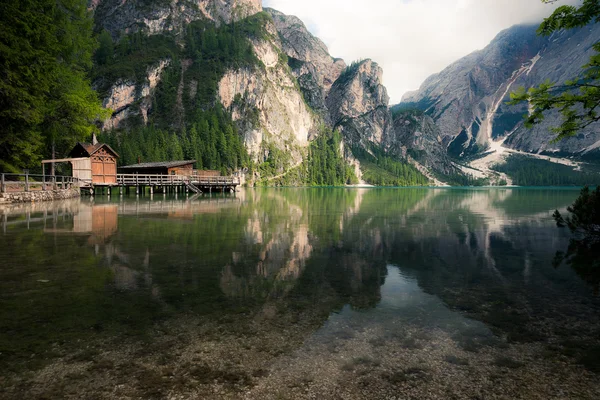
(410, 39)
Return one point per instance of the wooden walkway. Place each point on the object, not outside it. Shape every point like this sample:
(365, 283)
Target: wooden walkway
(125, 182)
(171, 183)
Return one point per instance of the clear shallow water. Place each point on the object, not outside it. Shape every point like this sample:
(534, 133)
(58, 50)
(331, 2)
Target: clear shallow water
(296, 293)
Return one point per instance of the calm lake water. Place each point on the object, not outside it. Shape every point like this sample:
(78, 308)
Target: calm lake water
(297, 293)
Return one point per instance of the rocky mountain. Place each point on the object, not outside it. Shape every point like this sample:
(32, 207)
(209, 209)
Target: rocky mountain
(418, 138)
(262, 95)
(159, 16)
(468, 99)
(276, 81)
(358, 105)
(309, 59)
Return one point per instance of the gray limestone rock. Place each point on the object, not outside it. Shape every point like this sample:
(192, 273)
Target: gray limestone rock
(309, 59)
(358, 105)
(467, 100)
(158, 16)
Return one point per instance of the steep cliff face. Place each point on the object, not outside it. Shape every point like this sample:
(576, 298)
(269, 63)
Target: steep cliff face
(576, 47)
(158, 16)
(468, 99)
(463, 96)
(276, 81)
(416, 136)
(308, 57)
(358, 105)
(267, 103)
(127, 98)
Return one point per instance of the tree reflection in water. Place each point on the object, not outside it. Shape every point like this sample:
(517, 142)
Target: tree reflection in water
(583, 254)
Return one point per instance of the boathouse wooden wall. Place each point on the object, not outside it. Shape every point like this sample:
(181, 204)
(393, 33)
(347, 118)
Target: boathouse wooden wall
(82, 168)
(104, 168)
(182, 170)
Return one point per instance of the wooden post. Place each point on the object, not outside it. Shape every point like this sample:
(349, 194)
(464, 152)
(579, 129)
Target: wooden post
(3, 185)
(63, 183)
(53, 182)
(27, 181)
(43, 177)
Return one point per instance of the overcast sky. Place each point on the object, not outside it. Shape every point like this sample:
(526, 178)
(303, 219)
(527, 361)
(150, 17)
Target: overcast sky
(410, 39)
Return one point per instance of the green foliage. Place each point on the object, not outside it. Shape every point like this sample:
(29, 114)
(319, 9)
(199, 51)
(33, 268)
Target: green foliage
(527, 171)
(584, 247)
(380, 169)
(578, 100)
(106, 49)
(585, 214)
(130, 58)
(211, 140)
(325, 165)
(190, 125)
(410, 109)
(459, 179)
(46, 101)
(277, 162)
(215, 50)
(349, 72)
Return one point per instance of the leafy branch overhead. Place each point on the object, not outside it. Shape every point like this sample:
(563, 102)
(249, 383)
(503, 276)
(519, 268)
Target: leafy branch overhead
(578, 100)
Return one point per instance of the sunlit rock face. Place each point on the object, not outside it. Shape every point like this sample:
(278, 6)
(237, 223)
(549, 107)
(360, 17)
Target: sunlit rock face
(267, 103)
(124, 94)
(309, 59)
(358, 105)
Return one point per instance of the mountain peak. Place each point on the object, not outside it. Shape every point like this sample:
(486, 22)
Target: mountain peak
(157, 16)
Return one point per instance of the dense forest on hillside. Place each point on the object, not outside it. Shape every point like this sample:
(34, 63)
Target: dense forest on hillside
(185, 120)
(324, 165)
(380, 169)
(46, 100)
(211, 140)
(527, 171)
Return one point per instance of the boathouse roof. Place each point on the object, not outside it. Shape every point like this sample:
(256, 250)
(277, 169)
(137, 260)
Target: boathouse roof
(161, 164)
(88, 149)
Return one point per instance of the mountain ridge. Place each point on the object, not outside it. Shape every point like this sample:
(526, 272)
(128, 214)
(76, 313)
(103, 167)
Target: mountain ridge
(475, 112)
(264, 75)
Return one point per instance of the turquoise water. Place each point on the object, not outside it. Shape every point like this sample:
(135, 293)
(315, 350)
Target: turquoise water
(296, 293)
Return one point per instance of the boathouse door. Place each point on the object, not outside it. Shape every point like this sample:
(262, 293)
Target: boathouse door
(104, 168)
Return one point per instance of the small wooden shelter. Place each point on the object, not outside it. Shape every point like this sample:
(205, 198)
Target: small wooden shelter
(95, 163)
(185, 168)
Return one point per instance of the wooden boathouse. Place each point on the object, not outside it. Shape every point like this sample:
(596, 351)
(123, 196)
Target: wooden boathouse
(170, 175)
(94, 161)
(95, 167)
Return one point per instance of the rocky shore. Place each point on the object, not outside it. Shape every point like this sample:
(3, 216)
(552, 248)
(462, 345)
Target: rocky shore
(36, 196)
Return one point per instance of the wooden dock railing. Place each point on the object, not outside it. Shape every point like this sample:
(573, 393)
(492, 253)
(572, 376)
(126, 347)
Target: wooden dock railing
(170, 180)
(29, 182)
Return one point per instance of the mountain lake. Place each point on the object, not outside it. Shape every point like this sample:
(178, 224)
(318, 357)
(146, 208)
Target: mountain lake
(315, 293)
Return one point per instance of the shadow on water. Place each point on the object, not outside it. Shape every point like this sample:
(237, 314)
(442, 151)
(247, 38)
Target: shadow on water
(266, 273)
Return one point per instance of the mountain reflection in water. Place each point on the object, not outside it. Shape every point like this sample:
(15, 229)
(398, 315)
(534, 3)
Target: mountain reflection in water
(248, 293)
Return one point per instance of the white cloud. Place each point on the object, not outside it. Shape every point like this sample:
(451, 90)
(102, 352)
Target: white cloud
(410, 39)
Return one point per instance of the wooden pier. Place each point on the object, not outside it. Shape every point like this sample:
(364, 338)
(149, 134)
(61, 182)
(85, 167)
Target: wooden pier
(167, 184)
(136, 183)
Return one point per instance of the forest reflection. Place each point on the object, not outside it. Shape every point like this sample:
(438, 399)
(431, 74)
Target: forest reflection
(288, 254)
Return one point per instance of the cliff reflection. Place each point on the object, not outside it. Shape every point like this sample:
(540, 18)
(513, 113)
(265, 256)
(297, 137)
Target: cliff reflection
(305, 253)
